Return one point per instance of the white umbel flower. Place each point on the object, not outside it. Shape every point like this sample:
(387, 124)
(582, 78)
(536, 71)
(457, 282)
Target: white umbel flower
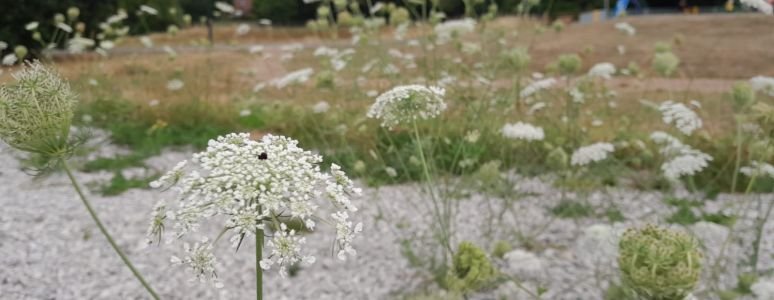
(685, 119)
(453, 28)
(763, 84)
(242, 29)
(681, 159)
(148, 10)
(592, 153)
(522, 131)
(200, 261)
(248, 183)
(758, 169)
(299, 76)
(407, 103)
(602, 70)
(537, 86)
(625, 28)
(685, 165)
(760, 5)
(285, 251)
(321, 107)
(175, 85)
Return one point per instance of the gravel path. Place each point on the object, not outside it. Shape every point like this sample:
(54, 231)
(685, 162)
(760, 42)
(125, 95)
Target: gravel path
(49, 248)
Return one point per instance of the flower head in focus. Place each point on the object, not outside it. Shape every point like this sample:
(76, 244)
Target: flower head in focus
(253, 185)
(685, 119)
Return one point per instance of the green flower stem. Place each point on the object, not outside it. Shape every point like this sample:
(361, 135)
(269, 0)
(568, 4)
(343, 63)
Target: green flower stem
(443, 216)
(258, 269)
(105, 232)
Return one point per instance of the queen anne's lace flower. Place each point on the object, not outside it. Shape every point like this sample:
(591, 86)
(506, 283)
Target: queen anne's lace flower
(299, 76)
(285, 251)
(450, 29)
(681, 159)
(685, 119)
(602, 70)
(763, 84)
(592, 153)
(407, 103)
(250, 183)
(200, 260)
(758, 169)
(522, 131)
(626, 28)
(537, 86)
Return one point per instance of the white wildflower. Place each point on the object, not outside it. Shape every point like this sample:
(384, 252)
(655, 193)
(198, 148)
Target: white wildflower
(200, 260)
(295, 77)
(685, 119)
(602, 70)
(249, 182)
(522, 131)
(285, 251)
(146, 41)
(245, 112)
(154, 102)
(9, 59)
(536, 107)
(685, 164)
(64, 27)
(763, 84)
(626, 28)
(451, 29)
(175, 84)
(758, 169)
(171, 177)
(391, 172)
(537, 86)
(156, 226)
(321, 107)
(148, 10)
(592, 153)
(407, 103)
(242, 29)
(31, 26)
(577, 96)
(225, 7)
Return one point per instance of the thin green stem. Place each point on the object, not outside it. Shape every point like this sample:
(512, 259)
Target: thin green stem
(104, 231)
(738, 158)
(258, 269)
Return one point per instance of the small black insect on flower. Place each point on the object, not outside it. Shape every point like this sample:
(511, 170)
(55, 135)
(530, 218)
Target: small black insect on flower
(263, 156)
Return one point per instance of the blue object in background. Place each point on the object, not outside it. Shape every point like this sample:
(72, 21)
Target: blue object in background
(620, 7)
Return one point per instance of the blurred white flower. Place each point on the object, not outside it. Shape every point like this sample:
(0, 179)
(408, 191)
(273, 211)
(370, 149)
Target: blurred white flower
(64, 27)
(626, 28)
(685, 119)
(537, 86)
(154, 102)
(522, 131)
(9, 59)
(175, 84)
(453, 28)
(245, 112)
(592, 153)
(148, 10)
(321, 107)
(763, 84)
(295, 77)
(31, 26)
(146, 41)
(758, 169)
(242, 29)
(225, 7)
(602, 70)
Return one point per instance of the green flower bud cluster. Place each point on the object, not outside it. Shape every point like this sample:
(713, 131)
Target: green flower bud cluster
(659, 263)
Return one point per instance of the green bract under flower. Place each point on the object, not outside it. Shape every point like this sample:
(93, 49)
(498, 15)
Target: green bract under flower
(659, 264)
(36, 111)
